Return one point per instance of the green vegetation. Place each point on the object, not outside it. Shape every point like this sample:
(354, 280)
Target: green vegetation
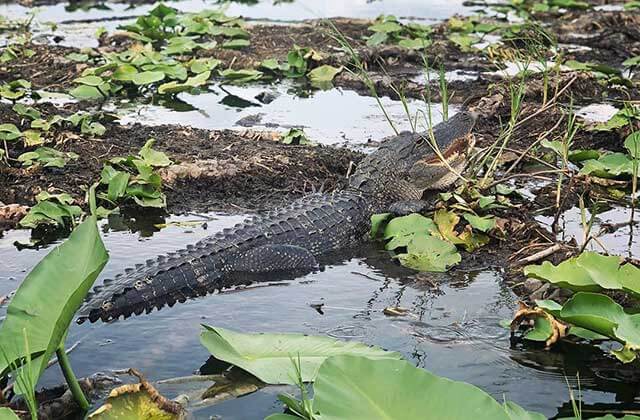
(268, 356)
(44, 306)
(135, 178)
(52, 209)
(387, 30)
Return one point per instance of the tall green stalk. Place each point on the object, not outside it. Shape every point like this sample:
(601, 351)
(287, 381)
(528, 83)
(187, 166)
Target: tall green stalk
(71, 379)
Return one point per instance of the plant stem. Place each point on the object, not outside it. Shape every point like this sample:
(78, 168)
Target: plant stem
(71, 379)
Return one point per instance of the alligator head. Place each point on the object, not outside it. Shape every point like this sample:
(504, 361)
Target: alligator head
(408, 164)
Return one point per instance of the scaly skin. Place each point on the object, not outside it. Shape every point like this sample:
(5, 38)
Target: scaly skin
(286, 239)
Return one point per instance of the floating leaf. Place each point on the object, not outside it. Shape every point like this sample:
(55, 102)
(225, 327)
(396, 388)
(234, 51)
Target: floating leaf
(589, 271)
(241, 76)
(153, 157)
(354, 387)
(428, 253)
(147, 77)
(269, 356)
(402, 229)
(88, 93)
(323, 76)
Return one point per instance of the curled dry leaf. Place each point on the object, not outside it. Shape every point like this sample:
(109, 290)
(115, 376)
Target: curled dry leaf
(138, 401)
(558, 329)
(395, 311)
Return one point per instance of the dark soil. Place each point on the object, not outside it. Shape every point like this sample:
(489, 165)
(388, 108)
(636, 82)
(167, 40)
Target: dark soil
(235, 171)
(47, 69)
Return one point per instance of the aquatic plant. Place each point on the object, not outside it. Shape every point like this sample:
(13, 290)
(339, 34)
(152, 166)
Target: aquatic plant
(268, 356)
(135, 179)
(45, 303)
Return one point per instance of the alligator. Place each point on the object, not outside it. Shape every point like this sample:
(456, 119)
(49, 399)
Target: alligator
(293, 237)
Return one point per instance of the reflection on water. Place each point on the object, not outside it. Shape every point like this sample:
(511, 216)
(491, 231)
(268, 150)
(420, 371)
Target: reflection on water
(328, 117)
(263, 10)
(452, 328)
(610, 224)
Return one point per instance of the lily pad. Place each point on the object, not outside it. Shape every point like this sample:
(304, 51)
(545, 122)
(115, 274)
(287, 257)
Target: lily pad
(428, 253)
(589, 271)
(354, 387)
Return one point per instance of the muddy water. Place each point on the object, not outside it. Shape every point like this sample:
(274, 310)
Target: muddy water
(453, 327)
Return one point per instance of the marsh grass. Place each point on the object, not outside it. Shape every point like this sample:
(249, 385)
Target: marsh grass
(23, 377)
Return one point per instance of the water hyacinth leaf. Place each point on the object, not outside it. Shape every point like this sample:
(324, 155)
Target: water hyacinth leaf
(26, 111)
(124, 73)
(481, 223)
(48, 212)
(295, 136)
(77, 57)
(153, 157)
(586, 334)
(147, 77)
(241, 76)
(117, 186)
(269, 356)
(323, 76)
(203, 64)
(87, 93)
(48, 298)
(414, 44)
(89, 80)
(386, 27)
(354, 387)
(610, 165)
(401, 230)
(589, 271)
(577, 156)
(9, 132)
(428, 253)
(377, 39)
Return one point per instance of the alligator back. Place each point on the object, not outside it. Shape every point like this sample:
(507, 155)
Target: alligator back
(316, 224)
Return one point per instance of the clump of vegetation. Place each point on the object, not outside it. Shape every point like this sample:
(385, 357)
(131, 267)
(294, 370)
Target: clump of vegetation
(135, 178)
(302, 62)
(388, 30)
(52, 209)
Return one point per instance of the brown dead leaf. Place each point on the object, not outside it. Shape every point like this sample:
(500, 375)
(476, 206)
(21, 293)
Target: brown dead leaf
(395, 311)
(525, 312)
